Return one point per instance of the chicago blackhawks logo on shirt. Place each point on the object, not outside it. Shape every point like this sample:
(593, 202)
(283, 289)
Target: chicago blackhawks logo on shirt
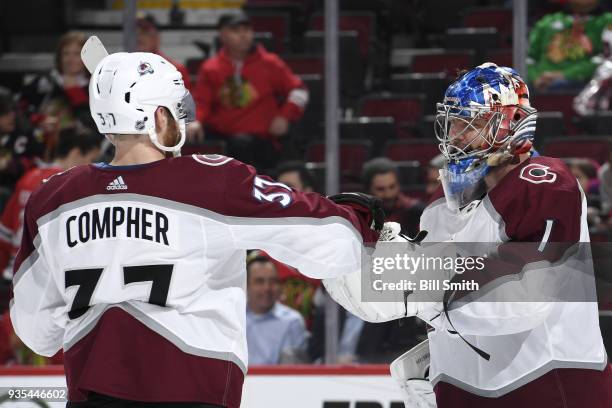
(570, 44)
(237, 93)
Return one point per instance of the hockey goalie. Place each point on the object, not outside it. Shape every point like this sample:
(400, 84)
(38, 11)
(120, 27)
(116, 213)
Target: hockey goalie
(497, 189)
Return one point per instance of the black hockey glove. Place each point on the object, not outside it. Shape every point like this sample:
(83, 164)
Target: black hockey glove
(364, 204)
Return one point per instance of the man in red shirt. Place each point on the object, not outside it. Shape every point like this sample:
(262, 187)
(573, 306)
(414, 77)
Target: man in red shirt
(74, 148)
(238, 91)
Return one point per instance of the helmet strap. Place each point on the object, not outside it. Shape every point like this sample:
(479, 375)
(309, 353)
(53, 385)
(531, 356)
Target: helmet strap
(176, 149)
(110, 138)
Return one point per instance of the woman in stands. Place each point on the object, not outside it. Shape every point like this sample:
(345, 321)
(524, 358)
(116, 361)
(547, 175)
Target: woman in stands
(59, 97)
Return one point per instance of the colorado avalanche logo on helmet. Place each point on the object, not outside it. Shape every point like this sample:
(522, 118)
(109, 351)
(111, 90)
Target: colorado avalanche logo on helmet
(145, 68)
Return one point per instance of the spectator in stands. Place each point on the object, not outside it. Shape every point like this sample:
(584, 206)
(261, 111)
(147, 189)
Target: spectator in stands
(74, 148)
(296, 175)
(276, 334)
(349, 333)
(605, 184)
(60, 98)
(149, 40)
(563, 44)
(381, 179)
(238, 92)
(585, 171)
(432, 178)
(364, 342)
(19, 148)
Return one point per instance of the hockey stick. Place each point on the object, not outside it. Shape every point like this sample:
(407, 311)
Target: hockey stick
(92, 53)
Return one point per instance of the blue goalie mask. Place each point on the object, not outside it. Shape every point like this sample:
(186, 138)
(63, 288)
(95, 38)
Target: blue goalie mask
(484, 121)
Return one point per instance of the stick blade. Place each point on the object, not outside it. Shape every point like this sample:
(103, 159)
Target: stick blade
(92, 53)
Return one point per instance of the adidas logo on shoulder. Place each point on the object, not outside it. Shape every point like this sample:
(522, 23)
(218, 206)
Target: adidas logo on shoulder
(117, 184)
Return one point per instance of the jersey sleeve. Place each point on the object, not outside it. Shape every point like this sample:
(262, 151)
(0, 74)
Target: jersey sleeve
(305, 230)
(542, 203)
(37, 307)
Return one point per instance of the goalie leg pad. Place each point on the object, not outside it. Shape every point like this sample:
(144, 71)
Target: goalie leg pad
(410, 370)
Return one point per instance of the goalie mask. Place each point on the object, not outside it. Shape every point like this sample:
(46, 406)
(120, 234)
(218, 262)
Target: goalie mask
(125, 90)
(485, 120)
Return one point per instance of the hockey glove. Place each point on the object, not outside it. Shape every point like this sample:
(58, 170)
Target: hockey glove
(365, 204)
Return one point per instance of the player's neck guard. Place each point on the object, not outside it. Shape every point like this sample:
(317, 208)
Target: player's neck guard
(463, 181)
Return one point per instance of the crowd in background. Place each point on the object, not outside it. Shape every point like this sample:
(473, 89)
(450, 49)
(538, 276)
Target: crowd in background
(249, 99)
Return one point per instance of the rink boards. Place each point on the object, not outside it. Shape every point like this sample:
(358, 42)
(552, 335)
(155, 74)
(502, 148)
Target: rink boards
(368, 386)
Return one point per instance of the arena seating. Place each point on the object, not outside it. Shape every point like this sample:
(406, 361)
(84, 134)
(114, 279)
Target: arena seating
(502, 57)
(559, 102)
(378, 130)
(362, 22)
(353, 66)
(549, 125)
(447, 61)
(481, 39)
(405, 109)
(579, 146)
(407, 150)
(432, 85)
(276, 23)
(304, 64)
(352, 156)
(599, 123)
(498, 17)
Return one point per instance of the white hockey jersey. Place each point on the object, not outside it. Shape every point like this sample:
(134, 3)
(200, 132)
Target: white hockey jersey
(138, 272)
(538, 201)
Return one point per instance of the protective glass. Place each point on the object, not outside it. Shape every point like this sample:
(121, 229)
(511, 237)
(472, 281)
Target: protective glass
(463, 182)
(186, 108)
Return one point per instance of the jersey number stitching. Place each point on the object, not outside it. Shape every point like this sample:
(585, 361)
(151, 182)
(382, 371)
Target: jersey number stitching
(87, 280)
(283, 199)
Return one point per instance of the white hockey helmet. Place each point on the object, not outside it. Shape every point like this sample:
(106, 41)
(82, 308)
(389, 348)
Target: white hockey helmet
(125, 90)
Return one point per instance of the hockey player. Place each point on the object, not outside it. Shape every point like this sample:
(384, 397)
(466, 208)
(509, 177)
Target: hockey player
(136, 268)
(487, 354)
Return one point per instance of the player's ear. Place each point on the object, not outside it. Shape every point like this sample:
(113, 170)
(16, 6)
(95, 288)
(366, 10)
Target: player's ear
(166, 127)
(161, 120)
